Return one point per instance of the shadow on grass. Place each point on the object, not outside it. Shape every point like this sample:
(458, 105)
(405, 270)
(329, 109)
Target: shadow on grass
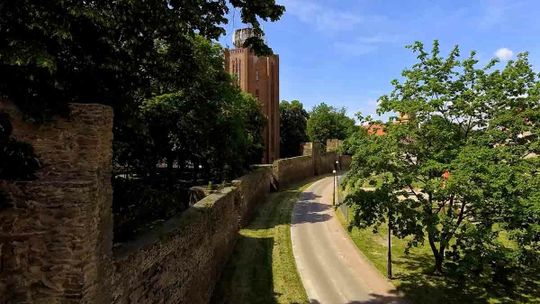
(421, 286)
(247, 278)
(258, 271)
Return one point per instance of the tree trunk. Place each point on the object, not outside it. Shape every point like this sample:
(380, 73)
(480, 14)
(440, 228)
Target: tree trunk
(438, 264)
(439, 258)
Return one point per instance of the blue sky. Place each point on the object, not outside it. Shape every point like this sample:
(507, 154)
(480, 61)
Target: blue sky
(346, 52)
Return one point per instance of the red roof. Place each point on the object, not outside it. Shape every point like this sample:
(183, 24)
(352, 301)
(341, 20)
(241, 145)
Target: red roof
(375, 129)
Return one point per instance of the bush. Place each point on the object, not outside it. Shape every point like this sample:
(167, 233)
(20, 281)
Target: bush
(139, 204)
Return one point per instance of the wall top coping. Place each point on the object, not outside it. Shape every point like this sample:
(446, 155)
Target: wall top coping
(292, 158)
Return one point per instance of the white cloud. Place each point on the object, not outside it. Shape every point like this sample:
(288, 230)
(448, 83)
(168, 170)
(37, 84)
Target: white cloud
(324, 18)
(504, 54)
(365, 44)
(355, 49)
(493, 14)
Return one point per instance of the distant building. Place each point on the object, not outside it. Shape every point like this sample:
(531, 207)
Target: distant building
(260, 77)
(375, 129)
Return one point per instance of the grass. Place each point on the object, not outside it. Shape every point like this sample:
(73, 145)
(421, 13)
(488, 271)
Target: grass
(262, 268)
(413, 274)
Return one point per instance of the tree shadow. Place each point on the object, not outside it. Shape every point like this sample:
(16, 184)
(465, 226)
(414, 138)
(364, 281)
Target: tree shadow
(248, 277)
(308, 210)
(421, 286)
(376, 299)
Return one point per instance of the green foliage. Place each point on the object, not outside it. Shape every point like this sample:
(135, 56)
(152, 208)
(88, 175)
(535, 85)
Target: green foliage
(153, 62)
(480, 128)
(327, 122)
(212, 125)
(17, 159)
(293, 124)
(123, 53)
(112, 52)
(139, 204)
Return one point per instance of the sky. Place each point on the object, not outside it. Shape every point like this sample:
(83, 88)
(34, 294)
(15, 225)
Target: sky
(346, 52)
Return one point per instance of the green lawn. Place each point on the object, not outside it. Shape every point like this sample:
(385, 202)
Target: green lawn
(262, 268)
(413, 274)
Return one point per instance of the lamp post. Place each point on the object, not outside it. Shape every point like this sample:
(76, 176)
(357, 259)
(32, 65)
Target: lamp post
(334, 197)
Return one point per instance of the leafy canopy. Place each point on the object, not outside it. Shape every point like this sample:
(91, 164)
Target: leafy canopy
(293, 124)
(327, 122)
(113, 52)
(213, 124)
(461, 172)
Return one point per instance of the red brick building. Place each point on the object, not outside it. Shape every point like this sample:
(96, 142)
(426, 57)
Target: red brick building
(260, 77)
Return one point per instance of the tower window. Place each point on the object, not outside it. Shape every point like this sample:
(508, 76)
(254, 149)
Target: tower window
(257, 75)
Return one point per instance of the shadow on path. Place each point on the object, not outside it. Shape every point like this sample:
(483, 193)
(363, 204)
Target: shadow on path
(308, 210)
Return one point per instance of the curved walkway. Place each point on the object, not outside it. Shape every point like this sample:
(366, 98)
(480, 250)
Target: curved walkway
(331, 267)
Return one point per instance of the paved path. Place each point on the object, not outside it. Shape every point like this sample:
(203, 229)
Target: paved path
(332, 268)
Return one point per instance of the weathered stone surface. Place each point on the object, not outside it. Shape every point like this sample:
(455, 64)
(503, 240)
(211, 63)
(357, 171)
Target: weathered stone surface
(292, 170)
(181, 261)
(55, 239)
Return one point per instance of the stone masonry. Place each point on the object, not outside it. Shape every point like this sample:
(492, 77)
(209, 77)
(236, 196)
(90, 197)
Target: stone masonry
(56, 237)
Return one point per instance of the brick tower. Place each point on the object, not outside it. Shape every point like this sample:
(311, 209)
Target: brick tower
(258, 76)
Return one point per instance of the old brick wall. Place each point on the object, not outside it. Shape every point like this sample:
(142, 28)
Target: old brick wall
(56, 235)
(288, 171)
(253, 188)
(181, 261)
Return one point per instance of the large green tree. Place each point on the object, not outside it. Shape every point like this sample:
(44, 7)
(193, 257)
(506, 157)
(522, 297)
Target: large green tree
(462, 173)
(113, 52)
(293, 123)
(121, 53)
(216, 126)
(327, 122)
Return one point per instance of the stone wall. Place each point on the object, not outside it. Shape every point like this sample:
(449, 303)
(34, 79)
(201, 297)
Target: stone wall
(288, 171)
(181, 261)
(56, 235)
(327, 162)
(333, 145)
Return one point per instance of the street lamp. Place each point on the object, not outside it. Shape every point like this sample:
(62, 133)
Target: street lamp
(334, 197)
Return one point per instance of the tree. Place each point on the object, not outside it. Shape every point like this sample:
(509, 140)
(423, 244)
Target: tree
(327, 122)
(213, 124)
(121, 53)
(112, 52)
(462, 169)
(17, 159)
(293, 124)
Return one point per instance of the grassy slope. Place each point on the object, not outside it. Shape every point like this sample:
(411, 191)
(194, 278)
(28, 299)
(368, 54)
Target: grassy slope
(262, 268)
(413, 274)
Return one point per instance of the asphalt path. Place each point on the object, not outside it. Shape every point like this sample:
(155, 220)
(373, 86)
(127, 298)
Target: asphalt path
(330, 265)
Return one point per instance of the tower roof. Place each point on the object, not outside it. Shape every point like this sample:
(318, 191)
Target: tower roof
(241, 35)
